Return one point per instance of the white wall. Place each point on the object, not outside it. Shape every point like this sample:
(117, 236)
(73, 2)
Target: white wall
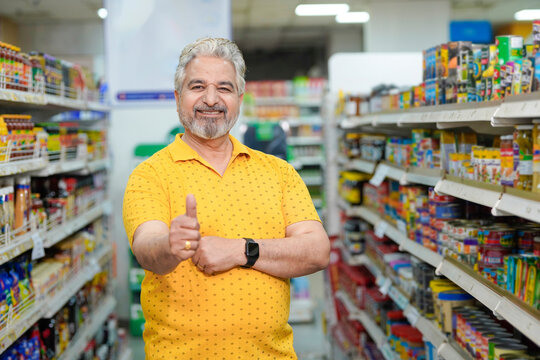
(79, 42)
(346, 39)
(143, 41)
(414, 25)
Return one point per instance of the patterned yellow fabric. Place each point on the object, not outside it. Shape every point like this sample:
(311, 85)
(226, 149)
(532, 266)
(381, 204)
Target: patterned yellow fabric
(239, 314)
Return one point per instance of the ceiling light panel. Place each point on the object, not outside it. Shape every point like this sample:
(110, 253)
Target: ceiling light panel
(527, 14)
(356, 17)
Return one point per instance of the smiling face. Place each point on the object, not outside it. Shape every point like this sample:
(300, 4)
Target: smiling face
(209, 101)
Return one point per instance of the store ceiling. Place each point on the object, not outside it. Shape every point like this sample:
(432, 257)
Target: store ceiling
(261, 23)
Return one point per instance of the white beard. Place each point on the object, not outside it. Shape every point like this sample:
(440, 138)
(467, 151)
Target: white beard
(208, 128)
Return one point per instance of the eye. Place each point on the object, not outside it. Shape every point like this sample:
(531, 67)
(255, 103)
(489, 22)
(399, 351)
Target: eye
(225, 89)
(197, 87)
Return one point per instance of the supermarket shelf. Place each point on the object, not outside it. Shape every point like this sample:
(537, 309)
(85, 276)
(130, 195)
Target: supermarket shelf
(19, 327)
(424, 176)
(304, 120)
(364, 166)
(17, 167)
(428, 328)
(318, 203)
(304, 140)
(518, 107)
(476, 192)
(519, 314)
(313, 180)
(301, 311)
(371, 327)
(59, 167)
(287, 100)
(126, 354)
(502, 200)
(353, 122)
(61, 232)
(10, 97)
(20, 245)
(25, 242)
(89, 329)
(81, 166)
(300, 162)
(53, 304)
(511, 111)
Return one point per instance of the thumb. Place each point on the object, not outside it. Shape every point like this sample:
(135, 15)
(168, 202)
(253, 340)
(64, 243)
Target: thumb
(191, 206)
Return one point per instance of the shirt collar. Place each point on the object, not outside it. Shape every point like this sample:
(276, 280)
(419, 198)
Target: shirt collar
(181, 151)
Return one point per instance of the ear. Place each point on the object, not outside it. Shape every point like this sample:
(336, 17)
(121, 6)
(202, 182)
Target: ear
(177, 98)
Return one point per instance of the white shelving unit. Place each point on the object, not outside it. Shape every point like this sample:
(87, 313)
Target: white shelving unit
(45, 101)
(46, 305)
(427, 327)
(126, 355)
(371, 327)
(517, 313)
(304, 141)
(59, 233)
(26, 241)
(89, 329)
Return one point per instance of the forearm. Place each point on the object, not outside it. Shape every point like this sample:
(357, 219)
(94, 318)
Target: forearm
(152, 253)
(293, 256)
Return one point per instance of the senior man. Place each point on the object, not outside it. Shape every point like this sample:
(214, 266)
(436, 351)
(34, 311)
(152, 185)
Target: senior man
(218, 227)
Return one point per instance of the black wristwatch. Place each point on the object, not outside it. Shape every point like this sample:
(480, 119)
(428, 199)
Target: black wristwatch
(252, 252)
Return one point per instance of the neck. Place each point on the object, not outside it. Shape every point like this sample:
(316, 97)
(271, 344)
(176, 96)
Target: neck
(217, 152)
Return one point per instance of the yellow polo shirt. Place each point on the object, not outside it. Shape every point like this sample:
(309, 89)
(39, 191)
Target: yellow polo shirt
(238, 314)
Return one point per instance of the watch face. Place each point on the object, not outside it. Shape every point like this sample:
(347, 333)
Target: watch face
(252, 249)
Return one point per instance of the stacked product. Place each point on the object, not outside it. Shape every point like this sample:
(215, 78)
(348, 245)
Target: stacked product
(501, 250)
(462, 72)
(42, 73)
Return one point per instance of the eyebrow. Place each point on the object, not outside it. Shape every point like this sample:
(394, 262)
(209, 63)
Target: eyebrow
(198, 81)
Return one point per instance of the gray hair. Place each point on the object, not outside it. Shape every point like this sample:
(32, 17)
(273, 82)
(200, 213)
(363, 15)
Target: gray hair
(217, 47)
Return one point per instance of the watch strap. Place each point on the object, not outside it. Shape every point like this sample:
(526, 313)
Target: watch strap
(250, 259)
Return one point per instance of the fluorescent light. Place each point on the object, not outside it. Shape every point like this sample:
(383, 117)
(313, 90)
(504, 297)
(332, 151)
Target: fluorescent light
(527, 14)
(321, 9)
(352, 17)
(102, 13)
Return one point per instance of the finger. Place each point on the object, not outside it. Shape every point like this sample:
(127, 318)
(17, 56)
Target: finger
(184, 221)
(182, 234)
(183, 254)
(191, 206)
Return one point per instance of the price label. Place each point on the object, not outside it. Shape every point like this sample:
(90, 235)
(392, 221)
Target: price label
(399, 298)
(413, 316)
(402, 226)
(380, 174)
(385, 287)
(380, 228)
(38, 251)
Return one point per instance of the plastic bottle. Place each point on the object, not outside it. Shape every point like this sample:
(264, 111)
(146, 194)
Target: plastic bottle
(20, 206)
(525, 141)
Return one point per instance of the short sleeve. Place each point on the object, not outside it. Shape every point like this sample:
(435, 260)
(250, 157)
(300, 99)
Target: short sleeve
(297, 203)
(144, 199)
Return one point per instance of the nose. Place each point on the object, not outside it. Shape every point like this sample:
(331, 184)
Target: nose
(211, 96)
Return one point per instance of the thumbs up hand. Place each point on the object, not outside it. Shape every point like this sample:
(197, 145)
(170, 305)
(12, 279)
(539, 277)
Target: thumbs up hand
(184, 235)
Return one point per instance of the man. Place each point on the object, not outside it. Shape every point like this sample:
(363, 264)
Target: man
(218, 227)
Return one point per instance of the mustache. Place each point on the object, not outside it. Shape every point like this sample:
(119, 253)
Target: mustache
(210, 108)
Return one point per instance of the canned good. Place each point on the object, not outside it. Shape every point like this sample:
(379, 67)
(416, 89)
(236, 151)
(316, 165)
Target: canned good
(492, 257)
(525, 239)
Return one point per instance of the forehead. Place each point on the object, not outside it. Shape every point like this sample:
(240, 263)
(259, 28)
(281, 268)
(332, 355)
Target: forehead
(210, 68)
